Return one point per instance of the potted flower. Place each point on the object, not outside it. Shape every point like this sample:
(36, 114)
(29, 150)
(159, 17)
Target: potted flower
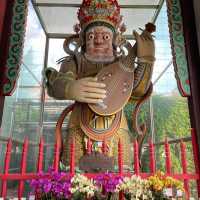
(82, 187)
(135, 188)
(160, 185)
(107, 184)
(52, 185)
(62, 186)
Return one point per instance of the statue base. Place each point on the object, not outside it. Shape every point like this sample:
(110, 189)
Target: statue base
(96, 162)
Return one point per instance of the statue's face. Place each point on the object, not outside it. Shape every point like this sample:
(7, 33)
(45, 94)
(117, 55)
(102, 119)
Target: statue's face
(99, 46)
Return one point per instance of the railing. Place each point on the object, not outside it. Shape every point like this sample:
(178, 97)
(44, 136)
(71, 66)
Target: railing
(185, 176)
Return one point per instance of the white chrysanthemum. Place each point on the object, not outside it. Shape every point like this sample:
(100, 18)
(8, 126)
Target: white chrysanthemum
(136, 187)
(81, 184)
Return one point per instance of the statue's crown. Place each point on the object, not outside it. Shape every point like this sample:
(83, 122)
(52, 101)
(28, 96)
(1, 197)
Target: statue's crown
(107, 11)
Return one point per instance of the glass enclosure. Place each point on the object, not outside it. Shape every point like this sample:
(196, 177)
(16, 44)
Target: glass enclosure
(31, 113)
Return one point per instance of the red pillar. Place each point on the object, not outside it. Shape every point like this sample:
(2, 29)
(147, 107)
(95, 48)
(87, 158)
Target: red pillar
(190, 14)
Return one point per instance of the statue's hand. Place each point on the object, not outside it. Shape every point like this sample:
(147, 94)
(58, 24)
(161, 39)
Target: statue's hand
(86, 90)
(145, 46)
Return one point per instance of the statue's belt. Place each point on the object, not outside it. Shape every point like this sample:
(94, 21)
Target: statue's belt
(94, 133)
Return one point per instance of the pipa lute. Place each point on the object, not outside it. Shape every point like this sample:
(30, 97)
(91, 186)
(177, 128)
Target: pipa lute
(119, 79)
(119, 84)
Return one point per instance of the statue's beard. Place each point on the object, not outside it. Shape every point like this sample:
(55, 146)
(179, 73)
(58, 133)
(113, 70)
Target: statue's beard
(99, 58)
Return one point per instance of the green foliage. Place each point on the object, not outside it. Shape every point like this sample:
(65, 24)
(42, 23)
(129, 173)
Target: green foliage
(171, 117)
(143, 116)
(171, 120)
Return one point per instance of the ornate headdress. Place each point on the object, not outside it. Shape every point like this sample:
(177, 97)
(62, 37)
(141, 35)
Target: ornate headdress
(97, 12)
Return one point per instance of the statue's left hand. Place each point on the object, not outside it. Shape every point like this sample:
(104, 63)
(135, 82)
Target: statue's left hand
(145, 46)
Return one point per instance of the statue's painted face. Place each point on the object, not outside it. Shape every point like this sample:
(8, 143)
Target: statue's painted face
(99, 46)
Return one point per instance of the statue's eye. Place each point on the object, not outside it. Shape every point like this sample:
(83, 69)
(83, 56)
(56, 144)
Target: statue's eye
(106, 37)
(91, 36)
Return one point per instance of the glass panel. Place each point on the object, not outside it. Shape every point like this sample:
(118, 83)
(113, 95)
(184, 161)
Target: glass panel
(48, 156)
(21, 117)
(55, 52)
(167, 83)
(138, 2)
(62, 19)
(171, 115)
(136, 18)
(59, 20)
(52, 111)
(2, 155)
(52, 107)
(121, 2)
(22, 110)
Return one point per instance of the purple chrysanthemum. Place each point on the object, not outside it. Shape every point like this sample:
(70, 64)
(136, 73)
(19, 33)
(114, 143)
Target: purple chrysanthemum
(108, 182)
(56, 184)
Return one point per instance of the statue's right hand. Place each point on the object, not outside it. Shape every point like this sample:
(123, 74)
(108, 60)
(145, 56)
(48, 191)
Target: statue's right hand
(86, 90)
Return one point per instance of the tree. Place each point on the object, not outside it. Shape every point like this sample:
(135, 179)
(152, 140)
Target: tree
(171, 120)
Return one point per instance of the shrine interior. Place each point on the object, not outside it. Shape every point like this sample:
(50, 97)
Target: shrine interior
(29, 112)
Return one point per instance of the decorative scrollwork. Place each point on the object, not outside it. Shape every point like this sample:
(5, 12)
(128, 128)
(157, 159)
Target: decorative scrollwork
(15, 46)
(178, 46)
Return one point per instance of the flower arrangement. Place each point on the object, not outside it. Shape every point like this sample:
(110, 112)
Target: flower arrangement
(82, 187)
(159, 183)
(135, 188)
(63, 186)
(107, 184)
(52, 185)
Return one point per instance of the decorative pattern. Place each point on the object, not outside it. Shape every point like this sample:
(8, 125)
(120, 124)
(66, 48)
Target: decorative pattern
(178, 46)
(15, 45)
(99, 11)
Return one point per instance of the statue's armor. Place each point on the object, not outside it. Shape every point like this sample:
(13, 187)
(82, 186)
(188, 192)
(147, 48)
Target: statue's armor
(88, 69)
(76, 67)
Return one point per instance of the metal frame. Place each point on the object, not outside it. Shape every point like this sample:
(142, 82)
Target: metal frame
(39, 17)
(59, 5)
(68, 5)
(32, 74)
(62, 36)
(54, 35)
(43, 87)
(160, 5)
